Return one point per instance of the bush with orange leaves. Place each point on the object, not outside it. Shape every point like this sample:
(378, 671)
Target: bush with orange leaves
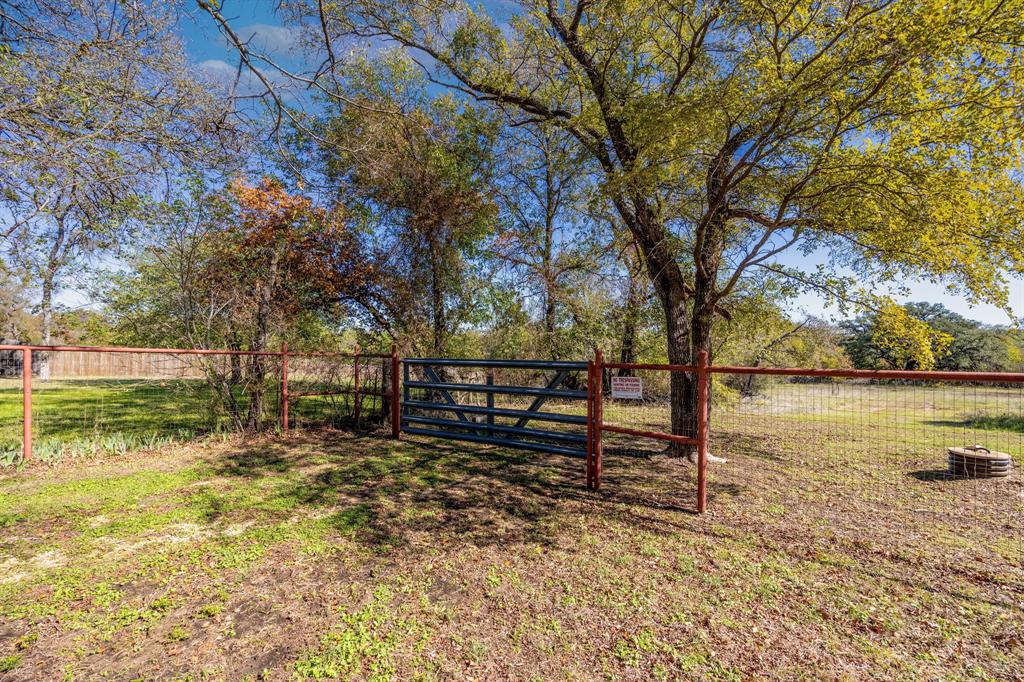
(284, 256)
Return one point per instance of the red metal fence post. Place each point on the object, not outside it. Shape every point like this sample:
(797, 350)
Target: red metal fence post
(284, 387)
(355, 381)
(26, 405)
(703, 379)
(396, 420)
(598, 414)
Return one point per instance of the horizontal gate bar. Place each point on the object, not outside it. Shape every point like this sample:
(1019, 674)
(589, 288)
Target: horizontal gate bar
(657, 435)
(521, 364)
(503, 442)
(342, 391)
(510, 390)
(498, 428)
(498, 412)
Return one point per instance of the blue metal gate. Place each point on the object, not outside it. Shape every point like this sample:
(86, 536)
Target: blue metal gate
(430, 407)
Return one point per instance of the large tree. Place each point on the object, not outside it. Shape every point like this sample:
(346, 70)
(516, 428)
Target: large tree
(245, 267)
(97, 103)
(546, 236)
(883, 133)
(416, 168)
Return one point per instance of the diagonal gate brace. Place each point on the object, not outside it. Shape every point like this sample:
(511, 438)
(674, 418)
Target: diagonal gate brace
(432, 375)
(539, 401)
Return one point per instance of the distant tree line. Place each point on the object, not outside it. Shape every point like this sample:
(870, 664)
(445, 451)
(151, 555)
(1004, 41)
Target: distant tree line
(950, 342)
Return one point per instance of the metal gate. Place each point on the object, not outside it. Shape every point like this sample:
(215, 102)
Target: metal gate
(430, 405)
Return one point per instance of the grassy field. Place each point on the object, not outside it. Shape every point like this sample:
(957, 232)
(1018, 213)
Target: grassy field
(77, 417)
(833, 549)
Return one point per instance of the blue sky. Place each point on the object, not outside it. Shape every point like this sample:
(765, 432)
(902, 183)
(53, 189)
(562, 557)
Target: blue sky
(256, 19)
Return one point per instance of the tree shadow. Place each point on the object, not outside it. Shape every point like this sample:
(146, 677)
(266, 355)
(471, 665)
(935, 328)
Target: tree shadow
(421, 494)
(386, 494)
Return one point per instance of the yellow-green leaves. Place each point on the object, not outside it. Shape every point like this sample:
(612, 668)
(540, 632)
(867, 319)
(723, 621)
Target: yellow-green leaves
(910, 342)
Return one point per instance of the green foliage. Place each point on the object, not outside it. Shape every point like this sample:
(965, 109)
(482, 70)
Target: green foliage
(18, 324)
(100, 105)
(10, 662)
(178, 634)
(361, 646)
(908, 341)
(927, 335)
(886, 136)
(417, 182)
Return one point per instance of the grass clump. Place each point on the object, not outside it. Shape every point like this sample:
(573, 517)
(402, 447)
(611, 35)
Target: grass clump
(361, 646)
(9, 662)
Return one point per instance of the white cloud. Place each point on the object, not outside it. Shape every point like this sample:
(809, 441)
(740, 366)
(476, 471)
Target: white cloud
(221, 73)
(218, 71)
(267, 38)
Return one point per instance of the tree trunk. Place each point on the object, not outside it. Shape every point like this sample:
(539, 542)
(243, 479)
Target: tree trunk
(439, 322)
(702, 310)
(631, 314)
(683, 395)
(688, 316)
(548, 256)
(673, 294)
(53, 262)
(701, 321)
(549, 327)
(235, 360)
(46, 309)
(257, 390)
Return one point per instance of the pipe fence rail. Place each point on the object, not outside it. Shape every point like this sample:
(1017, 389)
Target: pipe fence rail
(786, 431)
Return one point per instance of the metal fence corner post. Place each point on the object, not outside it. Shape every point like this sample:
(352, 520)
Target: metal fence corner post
(703, 379)
(26, 405)
(284, 387)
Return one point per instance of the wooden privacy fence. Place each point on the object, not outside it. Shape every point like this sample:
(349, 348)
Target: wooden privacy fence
(109, 365)
(443, 407)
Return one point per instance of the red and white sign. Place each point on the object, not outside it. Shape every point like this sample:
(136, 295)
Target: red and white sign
(629, 388)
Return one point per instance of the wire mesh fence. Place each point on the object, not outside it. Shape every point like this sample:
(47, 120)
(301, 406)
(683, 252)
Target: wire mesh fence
(85, 401)
(852, 443)
(866, 461)
(89, 402)
(872, 450)
(909, 421)
(338, 389)
(11, 413)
